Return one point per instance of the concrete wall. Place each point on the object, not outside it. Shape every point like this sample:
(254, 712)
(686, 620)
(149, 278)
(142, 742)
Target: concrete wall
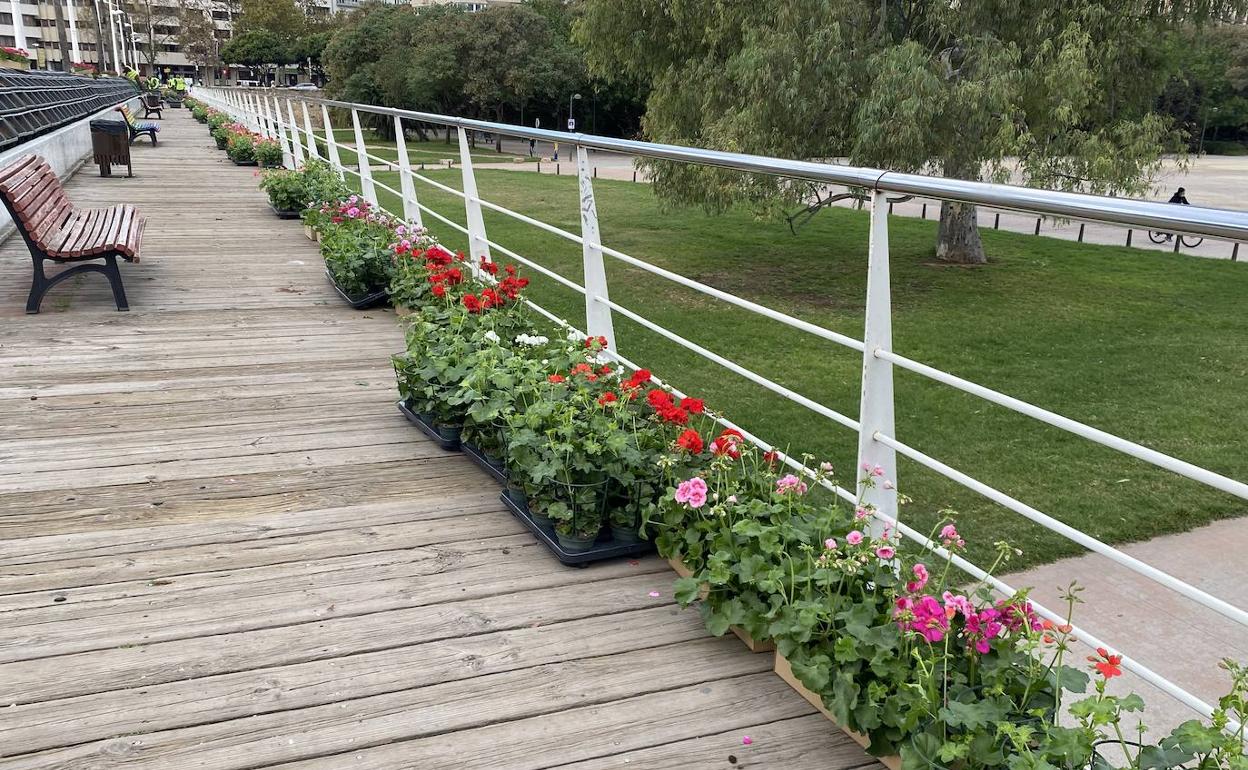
(65, 149)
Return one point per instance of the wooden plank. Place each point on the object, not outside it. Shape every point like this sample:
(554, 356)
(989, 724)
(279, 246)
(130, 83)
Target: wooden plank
(331, 639)
(801, 743)
(572, 694)
(569, 632)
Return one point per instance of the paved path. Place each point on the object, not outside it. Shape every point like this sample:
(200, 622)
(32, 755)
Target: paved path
(222, 547)
(1163, 630)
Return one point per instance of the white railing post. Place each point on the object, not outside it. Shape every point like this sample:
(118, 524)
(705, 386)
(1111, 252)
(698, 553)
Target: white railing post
(307, 128)
(411, 209)
(478, 249)
(361, 154)
(331, 146)
(597, 311)
(269, 130)
(288, 160)
(295, 142)
(253, 106)
(878, 488)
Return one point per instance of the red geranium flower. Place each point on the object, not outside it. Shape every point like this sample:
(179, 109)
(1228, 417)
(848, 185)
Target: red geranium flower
(728, 443)
(555, 378)
(489, 267)
(607, 398)
(771, 458)
(659, 399)
(690, 441)
(694, 405)
(1107, 665)
(472, 303)
(439, 290)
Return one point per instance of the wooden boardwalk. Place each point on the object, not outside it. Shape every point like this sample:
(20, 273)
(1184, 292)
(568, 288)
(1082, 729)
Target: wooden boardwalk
(222, 547)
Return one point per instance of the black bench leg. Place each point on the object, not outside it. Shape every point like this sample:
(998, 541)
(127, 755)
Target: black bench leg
(38, 287)
(114, 279)
(41, 283)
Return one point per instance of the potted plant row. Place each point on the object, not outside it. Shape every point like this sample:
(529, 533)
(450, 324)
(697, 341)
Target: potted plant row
(924, 666)
(356, 243)
(292, 191)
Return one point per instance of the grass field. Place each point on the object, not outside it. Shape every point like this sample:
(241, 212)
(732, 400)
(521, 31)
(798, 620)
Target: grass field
(431, 152)
(1150, 346)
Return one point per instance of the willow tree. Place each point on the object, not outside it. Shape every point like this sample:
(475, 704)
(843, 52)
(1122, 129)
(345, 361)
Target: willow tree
(1057, 93)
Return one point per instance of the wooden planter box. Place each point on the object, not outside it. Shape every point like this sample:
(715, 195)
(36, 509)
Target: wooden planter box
(309, 233)
(12, 64)
(754, 646)
(785, 672)
(402, 310)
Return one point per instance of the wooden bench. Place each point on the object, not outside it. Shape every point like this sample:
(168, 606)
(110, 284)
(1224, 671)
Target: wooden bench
(151, 103)
(137, 129)
(54, 230)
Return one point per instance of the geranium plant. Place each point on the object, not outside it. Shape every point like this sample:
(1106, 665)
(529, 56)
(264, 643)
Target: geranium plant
(268, 153)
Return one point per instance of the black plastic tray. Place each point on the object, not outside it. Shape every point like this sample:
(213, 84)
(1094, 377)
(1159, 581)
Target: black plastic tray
(478, 457)
(365, 302)
(244, 162)
(427, 428)
(285, 213)
(604, 548)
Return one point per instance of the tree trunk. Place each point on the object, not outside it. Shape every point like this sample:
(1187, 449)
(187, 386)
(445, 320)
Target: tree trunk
(958, 239)
(421, 134)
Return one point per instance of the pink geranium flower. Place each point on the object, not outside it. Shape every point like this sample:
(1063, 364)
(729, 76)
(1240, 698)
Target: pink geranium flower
(854, 537)
(692, 492)
(790, 484)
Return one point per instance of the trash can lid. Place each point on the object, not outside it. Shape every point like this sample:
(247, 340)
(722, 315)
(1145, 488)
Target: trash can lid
(109, 126)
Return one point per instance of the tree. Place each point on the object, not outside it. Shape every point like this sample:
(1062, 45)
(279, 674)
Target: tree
(1061, 92)
(283, 19)
(257, 48)
(515, 55)
(197, 35)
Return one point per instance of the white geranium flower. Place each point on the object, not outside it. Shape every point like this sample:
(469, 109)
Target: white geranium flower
(491, 336)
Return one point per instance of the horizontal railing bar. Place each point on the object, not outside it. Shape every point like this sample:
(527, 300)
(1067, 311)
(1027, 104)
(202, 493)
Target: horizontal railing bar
(1194, 220)
(1087, 541)
(1194, 472)
(732, 366)
(732, 299)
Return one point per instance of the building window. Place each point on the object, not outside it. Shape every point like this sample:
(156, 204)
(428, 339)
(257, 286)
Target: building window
(6, 18)
(8, 40)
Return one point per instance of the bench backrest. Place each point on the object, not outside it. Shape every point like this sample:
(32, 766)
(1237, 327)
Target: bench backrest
(125, 112)
(34, 195)
(151, 99)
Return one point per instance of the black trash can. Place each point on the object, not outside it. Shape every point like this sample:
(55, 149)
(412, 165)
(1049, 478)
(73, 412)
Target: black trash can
(110, 143)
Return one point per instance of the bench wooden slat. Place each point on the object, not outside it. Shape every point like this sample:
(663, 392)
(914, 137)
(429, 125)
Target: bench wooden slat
(70, 231)
(18, 170)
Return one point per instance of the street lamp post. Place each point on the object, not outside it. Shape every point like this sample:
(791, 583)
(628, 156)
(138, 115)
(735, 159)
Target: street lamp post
(1204, 124)
(572, 98)
(112, 36)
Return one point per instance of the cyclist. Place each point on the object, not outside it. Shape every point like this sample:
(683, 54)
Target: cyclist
(1179, 197)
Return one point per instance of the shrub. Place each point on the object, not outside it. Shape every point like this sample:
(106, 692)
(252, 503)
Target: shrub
(269, 154)
(241, 147)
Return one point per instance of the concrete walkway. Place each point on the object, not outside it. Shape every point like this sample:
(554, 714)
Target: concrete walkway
(1163, 630)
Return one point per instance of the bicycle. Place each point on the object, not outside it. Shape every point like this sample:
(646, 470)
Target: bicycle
(1190, 242)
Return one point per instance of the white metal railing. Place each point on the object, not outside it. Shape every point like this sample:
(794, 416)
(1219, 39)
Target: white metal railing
(877, 444)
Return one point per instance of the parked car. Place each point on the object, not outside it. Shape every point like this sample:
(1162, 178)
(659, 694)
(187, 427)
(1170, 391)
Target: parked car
(305, 87)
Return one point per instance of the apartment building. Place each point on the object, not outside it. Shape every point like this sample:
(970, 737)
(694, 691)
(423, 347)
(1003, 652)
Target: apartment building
(57, 33)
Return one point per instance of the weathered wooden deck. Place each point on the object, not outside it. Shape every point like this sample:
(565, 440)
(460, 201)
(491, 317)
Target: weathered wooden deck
(222, 547)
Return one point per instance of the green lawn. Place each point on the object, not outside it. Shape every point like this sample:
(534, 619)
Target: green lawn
(1147, 345)
(431, 152)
